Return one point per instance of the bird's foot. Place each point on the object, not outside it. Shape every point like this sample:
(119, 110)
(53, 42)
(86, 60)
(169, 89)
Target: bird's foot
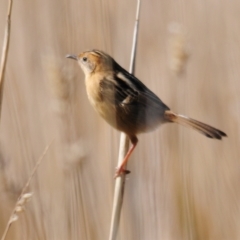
(120, 171)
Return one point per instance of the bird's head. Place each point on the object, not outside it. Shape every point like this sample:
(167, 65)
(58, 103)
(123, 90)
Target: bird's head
(93, 61)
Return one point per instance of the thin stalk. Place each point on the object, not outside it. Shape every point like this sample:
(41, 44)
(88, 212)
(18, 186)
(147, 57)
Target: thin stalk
(23, 197)
(123, 148)
(5, 51)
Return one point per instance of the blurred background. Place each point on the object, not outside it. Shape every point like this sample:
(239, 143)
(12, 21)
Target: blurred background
(182, 185)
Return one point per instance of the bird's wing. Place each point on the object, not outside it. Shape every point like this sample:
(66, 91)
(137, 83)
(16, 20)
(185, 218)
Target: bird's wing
(117, 92)
(125, 90)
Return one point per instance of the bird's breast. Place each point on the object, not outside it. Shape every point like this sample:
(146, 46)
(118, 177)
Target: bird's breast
(106, 111)
(93, 91)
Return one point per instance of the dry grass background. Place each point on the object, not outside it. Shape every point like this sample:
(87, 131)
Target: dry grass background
(183, 185)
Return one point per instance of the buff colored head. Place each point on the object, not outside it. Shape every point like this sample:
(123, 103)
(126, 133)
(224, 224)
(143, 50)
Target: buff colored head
(93, 61)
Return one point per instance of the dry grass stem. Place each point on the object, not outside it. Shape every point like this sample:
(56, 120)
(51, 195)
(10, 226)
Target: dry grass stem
(123, 148)
(24, 197)
(5, 51)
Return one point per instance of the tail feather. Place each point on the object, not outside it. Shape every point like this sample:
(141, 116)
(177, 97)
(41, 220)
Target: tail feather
(203, 128)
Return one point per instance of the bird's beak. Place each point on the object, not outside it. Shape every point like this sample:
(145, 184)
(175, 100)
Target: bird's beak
(72, 56)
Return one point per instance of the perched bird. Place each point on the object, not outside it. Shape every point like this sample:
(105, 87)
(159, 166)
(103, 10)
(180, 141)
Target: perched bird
(126, 103)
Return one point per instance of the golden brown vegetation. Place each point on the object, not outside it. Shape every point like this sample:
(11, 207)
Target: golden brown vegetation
(183, 185)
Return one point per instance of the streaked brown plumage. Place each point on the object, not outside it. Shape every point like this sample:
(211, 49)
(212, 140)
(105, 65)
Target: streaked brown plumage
(126, 103)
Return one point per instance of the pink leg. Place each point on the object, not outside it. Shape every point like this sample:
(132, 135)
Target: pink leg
(120, 170)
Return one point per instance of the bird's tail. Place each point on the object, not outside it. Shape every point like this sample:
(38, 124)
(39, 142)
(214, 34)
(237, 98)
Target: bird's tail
(203, 128)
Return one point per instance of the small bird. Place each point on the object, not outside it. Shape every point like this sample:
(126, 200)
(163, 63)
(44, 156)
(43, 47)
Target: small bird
(126, 103)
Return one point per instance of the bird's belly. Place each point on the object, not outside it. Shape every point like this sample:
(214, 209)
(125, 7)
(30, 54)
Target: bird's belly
(131, 123)
(107, 112)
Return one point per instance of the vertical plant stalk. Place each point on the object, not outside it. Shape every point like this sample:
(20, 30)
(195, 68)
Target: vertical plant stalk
(5, 51)
(123, 148)
(23, 197)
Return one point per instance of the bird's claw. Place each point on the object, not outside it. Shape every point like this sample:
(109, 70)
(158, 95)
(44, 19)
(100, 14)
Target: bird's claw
(120, 171)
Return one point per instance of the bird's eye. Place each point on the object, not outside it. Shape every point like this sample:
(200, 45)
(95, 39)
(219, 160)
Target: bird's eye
(84, 59)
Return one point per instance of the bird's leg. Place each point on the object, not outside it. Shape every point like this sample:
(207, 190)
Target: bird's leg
(121, 169)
